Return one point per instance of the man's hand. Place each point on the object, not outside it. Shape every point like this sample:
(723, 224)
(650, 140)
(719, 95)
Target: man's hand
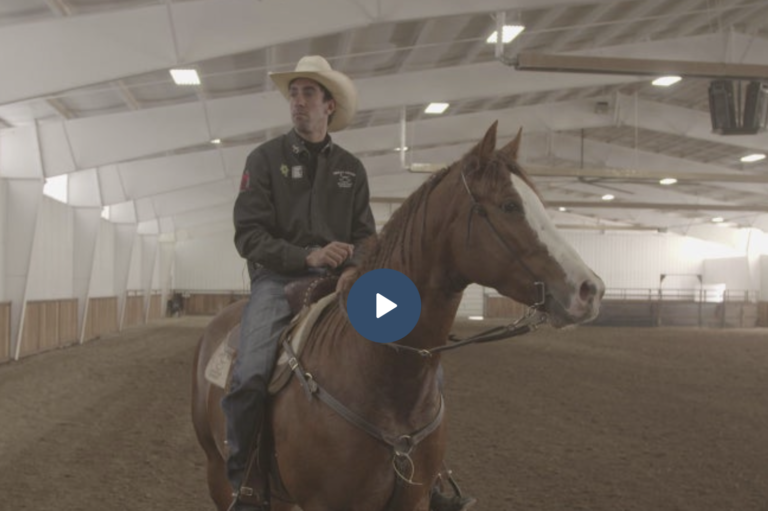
(346, 278)
(332, 255)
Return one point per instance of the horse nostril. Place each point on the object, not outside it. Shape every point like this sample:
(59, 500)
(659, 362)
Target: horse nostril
(587, 291)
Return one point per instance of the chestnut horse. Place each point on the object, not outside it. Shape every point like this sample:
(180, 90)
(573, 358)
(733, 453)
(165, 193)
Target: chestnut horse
(479, 220)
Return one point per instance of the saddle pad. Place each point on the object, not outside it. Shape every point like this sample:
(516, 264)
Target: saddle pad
(219, 368)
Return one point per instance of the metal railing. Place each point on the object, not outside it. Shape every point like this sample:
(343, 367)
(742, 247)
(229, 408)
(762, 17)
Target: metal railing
(689, 295)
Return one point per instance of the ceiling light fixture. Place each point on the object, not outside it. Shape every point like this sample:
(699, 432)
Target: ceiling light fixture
(608, 196)
(436, 108)
(668, 181)
(508, 33)
(666, 81)
(185, 76)
(753, 157)
(718, 219)
(398, 149)
(216, 141)
(562, 209)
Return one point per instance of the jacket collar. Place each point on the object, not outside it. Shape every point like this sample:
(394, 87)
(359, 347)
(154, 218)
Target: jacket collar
(298, 146)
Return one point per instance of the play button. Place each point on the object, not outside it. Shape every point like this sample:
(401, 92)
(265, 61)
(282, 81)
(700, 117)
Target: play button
(384, 305)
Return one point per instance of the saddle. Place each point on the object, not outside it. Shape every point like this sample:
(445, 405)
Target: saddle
(304, 292)
(302, 295)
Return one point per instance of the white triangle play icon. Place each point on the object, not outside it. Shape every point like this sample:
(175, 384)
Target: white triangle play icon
(383, 305)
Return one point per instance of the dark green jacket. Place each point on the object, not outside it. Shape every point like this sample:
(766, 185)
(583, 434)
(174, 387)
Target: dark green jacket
(280, 212)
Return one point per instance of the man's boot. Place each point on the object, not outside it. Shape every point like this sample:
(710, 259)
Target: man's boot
(442, 502)
(244, 470)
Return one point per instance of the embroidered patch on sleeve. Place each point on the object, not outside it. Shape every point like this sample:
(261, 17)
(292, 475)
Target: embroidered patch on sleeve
(245, 181)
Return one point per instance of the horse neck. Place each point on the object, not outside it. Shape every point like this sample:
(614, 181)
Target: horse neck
(424, 257)
(406, 381)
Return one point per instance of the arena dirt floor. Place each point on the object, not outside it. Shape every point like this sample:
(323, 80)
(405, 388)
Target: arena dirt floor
(597, 419)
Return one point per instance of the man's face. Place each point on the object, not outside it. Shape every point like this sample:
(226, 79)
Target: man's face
(309, 111)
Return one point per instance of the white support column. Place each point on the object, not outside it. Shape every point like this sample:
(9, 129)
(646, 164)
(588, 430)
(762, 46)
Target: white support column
(23, 198)
(86, 232)
(125, 235)
(148, 254)
(167, 252)
(763, 278)
(3, 237)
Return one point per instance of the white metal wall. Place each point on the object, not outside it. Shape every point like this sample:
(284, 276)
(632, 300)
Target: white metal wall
(3, 244)
(134, 274)
(103, 275)
(733, 272)
(50, 272)
(471, 302)
(764, 278)
(210, 263)
(637, 260)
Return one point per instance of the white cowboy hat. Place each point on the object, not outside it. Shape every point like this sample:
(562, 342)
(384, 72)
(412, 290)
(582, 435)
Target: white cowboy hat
(338, 84)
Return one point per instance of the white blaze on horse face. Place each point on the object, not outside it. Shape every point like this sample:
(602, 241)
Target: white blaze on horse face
(576, 271)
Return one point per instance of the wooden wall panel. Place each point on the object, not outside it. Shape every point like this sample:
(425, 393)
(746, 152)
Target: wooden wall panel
(134, 311)
(5, 331)
(204, 304)
(102, 317)
(48, 325)
(155, 308)
(762, 314)
(30, 337)
(68, 331)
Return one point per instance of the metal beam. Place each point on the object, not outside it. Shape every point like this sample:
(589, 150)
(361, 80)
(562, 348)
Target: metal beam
(631, 66)
(645, 175)
(58, 105)
(127, 95)
(758, 208)
(59, 8)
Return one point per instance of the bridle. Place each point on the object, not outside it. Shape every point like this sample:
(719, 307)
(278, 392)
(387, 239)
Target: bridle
(533, 316)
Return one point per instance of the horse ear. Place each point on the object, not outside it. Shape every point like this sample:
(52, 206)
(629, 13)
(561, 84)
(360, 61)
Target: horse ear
(511, 149)
(487, 145)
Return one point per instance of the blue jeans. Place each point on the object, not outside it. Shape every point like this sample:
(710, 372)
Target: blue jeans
(264, 318)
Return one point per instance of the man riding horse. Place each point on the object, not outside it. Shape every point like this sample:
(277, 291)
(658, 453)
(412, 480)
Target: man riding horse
(303, 208)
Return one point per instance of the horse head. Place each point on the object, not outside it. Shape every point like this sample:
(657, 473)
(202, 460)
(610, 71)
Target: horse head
(509, 242)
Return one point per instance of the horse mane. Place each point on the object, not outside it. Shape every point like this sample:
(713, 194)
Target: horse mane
(483, 177)
(381, 248)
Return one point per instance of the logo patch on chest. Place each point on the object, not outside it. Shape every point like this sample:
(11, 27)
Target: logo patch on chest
(344, 178)
(284, 170)
(297, 172)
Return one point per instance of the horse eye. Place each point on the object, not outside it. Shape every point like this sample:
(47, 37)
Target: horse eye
(510, 206)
